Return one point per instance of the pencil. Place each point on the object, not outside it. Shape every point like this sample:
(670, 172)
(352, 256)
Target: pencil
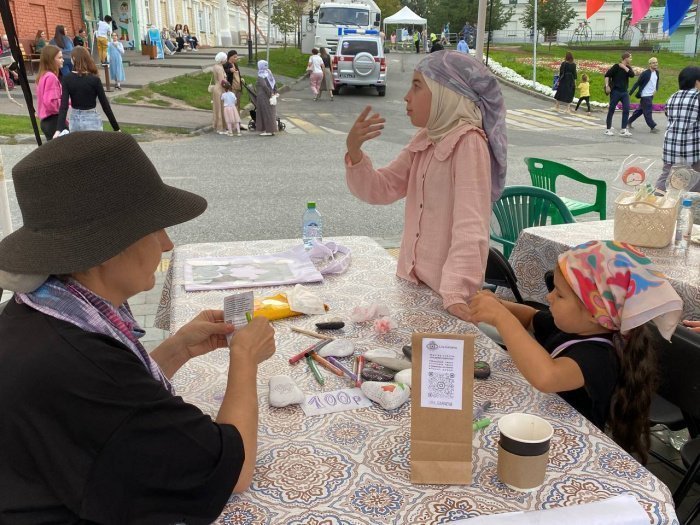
(325, 364)
(310, 333)
(335, 362)
(301, 355)
(248, 317)
(314, 370)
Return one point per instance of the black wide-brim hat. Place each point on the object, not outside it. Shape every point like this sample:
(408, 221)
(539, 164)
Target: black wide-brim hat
(84, 198)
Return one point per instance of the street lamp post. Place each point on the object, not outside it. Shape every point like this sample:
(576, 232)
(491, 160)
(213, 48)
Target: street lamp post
(269, 11)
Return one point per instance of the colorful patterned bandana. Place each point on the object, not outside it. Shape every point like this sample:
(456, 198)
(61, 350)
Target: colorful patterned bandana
(620, 287)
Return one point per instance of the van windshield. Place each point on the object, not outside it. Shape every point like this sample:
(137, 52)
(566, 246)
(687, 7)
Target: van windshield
(353, 47)
(343, 16)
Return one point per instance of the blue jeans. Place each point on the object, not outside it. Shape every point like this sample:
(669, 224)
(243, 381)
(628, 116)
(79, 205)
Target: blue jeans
(85, 120)
(645, 106)
(615, 97)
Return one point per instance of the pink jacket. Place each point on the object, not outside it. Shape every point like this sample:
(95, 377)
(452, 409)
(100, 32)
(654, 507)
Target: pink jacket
(447, 213)
(48, 95)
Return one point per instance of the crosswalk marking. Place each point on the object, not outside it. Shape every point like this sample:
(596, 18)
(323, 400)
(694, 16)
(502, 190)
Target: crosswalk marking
(332, 131)
(308, 127)
(291, 128)
(549, 119)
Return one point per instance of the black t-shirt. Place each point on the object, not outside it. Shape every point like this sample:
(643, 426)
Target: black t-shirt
(84, 91)
(88, 436)
(326, 61)
(598, 363)
(619, 78)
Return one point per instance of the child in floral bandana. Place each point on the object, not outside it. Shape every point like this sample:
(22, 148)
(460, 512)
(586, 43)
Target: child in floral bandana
(593, 346)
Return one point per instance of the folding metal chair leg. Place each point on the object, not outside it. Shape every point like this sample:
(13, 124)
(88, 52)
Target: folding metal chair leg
(686, 482)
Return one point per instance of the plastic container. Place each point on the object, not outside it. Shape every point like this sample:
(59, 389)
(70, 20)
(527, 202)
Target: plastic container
(644, 224)
(311, 226)
(684, 224)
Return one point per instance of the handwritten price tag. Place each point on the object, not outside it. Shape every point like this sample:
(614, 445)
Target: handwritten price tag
(336, 401)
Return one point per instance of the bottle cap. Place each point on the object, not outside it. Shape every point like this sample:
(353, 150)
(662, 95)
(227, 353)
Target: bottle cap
(687, 202)
(310, 205)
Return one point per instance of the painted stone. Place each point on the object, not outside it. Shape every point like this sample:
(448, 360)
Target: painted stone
(284, 391)
(375, 372)
(387, 358)
(404, 377)
(337, 348)
(389, 395)
(408, 351)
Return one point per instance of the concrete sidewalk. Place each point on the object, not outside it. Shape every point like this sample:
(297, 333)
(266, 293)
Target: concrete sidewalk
(140, 71)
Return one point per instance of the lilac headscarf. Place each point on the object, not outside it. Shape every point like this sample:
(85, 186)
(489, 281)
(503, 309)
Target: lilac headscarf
(468, 77)
(264, 72)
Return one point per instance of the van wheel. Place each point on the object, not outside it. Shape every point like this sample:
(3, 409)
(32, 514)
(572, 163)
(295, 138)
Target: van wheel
(381, 91)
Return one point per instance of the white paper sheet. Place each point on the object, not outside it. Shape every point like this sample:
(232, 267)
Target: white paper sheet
(441, 373)
(235, 308)
(618, 510)
(335, 401)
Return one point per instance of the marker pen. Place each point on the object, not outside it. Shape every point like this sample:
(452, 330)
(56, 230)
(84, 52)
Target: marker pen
(335, 362)
(314, 370)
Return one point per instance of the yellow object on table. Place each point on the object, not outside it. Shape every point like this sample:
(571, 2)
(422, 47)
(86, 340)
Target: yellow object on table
(275, 307)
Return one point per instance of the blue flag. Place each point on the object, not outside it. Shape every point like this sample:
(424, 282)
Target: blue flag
(675, 12)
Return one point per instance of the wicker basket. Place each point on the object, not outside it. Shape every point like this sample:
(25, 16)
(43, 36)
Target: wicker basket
(644, 224)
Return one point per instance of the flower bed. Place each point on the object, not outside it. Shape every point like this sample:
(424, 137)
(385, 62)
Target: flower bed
(593, 66)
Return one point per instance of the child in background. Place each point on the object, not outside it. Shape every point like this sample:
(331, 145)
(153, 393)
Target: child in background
(594, 346)
(449, 174)
(584, 92)
(115, 50)
(231, 115)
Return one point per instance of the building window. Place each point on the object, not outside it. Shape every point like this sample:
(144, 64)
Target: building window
(654, 27)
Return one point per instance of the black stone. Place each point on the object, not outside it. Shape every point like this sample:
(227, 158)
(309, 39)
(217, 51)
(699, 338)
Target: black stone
(408, 351)
(375, 372)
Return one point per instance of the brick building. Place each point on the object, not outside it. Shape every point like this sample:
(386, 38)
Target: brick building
(32, 15)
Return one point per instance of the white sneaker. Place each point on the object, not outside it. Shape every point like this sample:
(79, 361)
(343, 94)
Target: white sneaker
(229, 134)
(609, 132)
(222, 132)
(238, 134)
(266, 134)
(625, 133)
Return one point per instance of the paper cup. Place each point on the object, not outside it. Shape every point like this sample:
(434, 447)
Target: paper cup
(523, 450)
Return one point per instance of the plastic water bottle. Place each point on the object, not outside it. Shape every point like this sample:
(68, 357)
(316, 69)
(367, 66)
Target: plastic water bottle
(684, 225)
(311, 226)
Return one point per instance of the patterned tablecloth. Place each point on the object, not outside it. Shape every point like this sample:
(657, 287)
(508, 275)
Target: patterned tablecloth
(537, 250)
(353, 467)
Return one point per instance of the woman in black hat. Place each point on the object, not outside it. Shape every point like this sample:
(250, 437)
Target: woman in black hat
(91, 428)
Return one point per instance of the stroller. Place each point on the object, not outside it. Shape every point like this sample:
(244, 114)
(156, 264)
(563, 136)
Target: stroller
(251, 125)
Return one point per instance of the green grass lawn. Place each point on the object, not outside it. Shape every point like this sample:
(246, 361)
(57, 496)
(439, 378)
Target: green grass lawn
(190, 89)
(670, 64)
(288, 62)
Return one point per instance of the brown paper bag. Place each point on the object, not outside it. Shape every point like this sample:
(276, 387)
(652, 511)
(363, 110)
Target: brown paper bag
(441, 438)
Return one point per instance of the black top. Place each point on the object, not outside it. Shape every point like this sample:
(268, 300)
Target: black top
(598, 363)
(437, 46)
(619, 78)
(88, 436)
(229, 68)
(83, 91)
(567, 84)
(79, 41)
(326, 61)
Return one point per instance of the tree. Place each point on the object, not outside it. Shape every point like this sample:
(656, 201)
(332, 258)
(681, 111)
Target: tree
(388, 7)
(552, 16)
(284, 17)
(457, 12)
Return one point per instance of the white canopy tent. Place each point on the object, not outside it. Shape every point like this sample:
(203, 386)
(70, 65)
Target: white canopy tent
(405, 17)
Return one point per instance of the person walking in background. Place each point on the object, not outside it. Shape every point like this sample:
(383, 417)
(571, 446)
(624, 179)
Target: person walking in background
(567, 82)
(616, 85)
(682, 137)
(40, 41)
(230, 113)
(116, 65)
(104, 29)
(48, 89)
(265, 87)
(83, 88)
(584, 92)
(327, 82)
(462, 45)
(217, 75)
(393, 40)
(65, 44)
(316, 70)
(233, 76)
(416, 40)
(81, 38)
(647, 84)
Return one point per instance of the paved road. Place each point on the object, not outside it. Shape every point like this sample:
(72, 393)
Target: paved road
(257, 187)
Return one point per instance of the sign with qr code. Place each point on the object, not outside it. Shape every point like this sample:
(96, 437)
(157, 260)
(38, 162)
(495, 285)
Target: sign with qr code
(441, 373)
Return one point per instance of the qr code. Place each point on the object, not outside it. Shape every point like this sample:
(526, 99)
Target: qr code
(441, 384)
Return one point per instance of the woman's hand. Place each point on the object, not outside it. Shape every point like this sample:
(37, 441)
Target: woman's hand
(204, 333)
(460, 310)
(693, 325)
(363, 130)
(255, 342)
(486, 308)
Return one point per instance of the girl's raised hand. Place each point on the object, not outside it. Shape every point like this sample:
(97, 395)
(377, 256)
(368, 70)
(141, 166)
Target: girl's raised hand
(486, 308)
(365, 128)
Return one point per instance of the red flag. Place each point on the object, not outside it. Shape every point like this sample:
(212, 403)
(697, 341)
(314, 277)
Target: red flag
(592, 7)
(640, 8)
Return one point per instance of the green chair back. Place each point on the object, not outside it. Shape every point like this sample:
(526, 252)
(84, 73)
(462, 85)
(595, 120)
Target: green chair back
(544, 173)
(522, 207)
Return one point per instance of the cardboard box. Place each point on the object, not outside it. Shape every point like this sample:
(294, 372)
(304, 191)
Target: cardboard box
(441, 411)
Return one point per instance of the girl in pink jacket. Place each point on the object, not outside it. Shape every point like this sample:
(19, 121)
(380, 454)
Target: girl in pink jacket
(449, 174)
(48, 89)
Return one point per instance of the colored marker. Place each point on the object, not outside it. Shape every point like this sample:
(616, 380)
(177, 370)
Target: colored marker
(314, 370)
(248, 317)
(301, 355)
(325, 364)
(482, 423)
(341, 366)
(360, 366)
(479, 412)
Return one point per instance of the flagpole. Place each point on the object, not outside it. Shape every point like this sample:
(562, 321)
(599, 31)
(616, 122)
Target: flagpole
(534, 48)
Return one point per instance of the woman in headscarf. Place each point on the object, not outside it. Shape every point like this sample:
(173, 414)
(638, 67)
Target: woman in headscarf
(450, 173)
(217, 75)
(265, 87)
(92, 431)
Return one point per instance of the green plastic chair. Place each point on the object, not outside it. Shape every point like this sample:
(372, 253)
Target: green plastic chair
(521, 207)
(544, 173)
